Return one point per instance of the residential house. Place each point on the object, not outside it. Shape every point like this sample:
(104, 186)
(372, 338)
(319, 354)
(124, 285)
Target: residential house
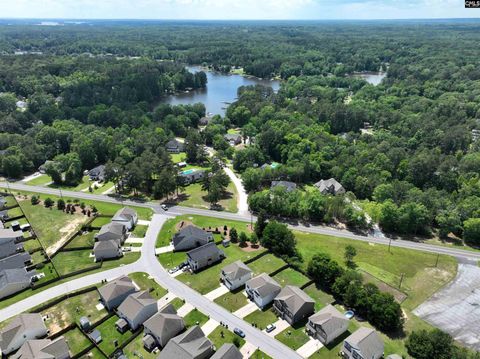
(3, 216)
(204, 256)
(190, 237)
(174, 146)
(44, 166)
(235, 275)
(3, 202)
(21, 105)
(192, 176)
(8, 234)
(18, 260)
(330, 186)
(289, 186)
(162, 327)
(14, 280)
(327, 324)
(227, 351)
(262, 289)
(115, 292)
(293, 304)
(97, 173)
(9, 248)
(365, 343)
(112, 230)
(191, 344)
(233, 138)
(203, 121)
(108, 249)
(22, 328)
(43, 349)
(137, 308)
(127, 216)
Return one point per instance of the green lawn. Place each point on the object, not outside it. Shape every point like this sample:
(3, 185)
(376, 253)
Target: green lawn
(82, 185)
(178, 157)
(15, 212)
(232, 301)
(261, 318)
(321, 298)
(195, 317)
(10, 200)
(258, 354)
(72, 309)
(290, 276)
(31, 244)
(51, 225)
(172, 259)
(209, 279)
(76, 341)
(100, 221)
(177, 303)
(93, 354)
(68, 262)
(222, 335)
(85, 239)
(146, 283)
(266, 264)
(103, 187)
(293, 337)
(194, 197)
(421, 277)
(139, 231)
(135, 349)
(40, 180)
(110, 334)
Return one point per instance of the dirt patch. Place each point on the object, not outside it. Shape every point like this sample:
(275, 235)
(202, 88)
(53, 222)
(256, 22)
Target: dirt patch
(384, 287)
(438, 273)
(183, 224)
(66, 232)
(250, 248)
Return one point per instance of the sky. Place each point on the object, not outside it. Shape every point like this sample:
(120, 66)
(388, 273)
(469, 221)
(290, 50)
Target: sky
(236, 9)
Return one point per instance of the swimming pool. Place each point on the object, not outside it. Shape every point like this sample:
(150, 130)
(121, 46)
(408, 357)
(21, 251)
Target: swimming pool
(187, 172)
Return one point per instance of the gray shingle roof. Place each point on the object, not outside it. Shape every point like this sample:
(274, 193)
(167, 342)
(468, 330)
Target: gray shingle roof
(289, 186)
(43, 349)
(165, 324)
(111, 244)
(189, 345)
(329, 318)
(17, 327)
(203, 251)
(116, 288)
(114, 228)
(124, 213)
(367, 341)
(294, 298)
(14, 276)
(264, 284)
(227, 351)
(9, 248)
(7, 234)
(16, 261)
(134, 303)
(330, 185)
(191, 233)
(236, 270)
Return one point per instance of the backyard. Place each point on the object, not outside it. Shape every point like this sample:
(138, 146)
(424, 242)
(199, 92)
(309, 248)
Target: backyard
(143, 281)
(110, 335)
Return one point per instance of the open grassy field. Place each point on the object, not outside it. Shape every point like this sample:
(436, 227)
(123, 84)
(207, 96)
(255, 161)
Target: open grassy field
(146, 283)
(84, 183)
(195, 317)
(110, 334)
(72, 309)
(421, 277)
(178, 157)
(267, 264)
(41, 180)
(68, 262)
(51, 225)
(76, 341)
(194, 197)
(222, 335)
(232, 301)
(290, 276)
(135, 349)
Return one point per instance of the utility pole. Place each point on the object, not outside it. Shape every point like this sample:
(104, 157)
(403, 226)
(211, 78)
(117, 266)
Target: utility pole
(436, 262)
(389, 245)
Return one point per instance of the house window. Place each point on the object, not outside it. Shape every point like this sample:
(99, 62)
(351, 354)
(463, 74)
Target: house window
(347, 346)
(356, 355)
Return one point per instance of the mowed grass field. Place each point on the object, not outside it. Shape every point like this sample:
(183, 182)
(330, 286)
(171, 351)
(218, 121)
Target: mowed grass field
(194, 197)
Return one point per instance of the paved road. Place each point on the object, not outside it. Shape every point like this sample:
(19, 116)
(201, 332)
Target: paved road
(463, 255)
(148, 263)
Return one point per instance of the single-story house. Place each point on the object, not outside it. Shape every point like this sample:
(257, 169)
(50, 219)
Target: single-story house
(8, 234)
(43, 167)
(262, 289)
(192, 344)
(192, 176)
(97, 173)
(9, 248)
(162, 327)
(363, 343)
(127, 216)
(18, 260)
(112, 230)
(190, 237)
(233, 138)
(174, 146)
(22, 328)
(235, 275)
(204, 256)
(227, 351)
(44, 349)
(327, 324)
(293, 304)
(330, 186)
(107, 249)
(289, 186)
(114, 293)
(137, 308)
(14, 280)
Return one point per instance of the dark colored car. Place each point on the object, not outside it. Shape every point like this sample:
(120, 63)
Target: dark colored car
(239, 332)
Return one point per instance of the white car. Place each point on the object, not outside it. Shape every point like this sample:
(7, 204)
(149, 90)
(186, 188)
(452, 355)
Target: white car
(173, 270)
(164, 207)
(270, 328)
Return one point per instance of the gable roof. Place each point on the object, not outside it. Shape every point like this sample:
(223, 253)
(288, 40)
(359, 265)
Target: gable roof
(14, 276)
(328, 185)
(43, 349)
(203, 251)
(264, 284)
(294, 298)
(166, 323)
(9, 234)
(115, 228)
(16, 261)
(236, 270)
(227, 351)
(97, 171)
(116, 288)
(9, 248)
(135, 302)
(188, 345)
(110, 244)
(191, 233)
(17, 328)
(367, 342)
(124, 213)
(174, 144)
(329, 318)
(289, 186)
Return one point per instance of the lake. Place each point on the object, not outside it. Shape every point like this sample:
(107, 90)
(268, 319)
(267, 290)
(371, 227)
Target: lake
(220, 92)
(373, 78)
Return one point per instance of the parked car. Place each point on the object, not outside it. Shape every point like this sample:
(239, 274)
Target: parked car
(164, 207)
(173, 270)
(239, 332)
(270, 328)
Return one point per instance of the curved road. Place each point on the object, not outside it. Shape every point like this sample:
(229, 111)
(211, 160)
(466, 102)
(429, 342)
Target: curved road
(148, 263)
(463, 255)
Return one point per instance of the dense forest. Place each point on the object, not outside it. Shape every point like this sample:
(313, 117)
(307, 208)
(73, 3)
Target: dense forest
(92, 92)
